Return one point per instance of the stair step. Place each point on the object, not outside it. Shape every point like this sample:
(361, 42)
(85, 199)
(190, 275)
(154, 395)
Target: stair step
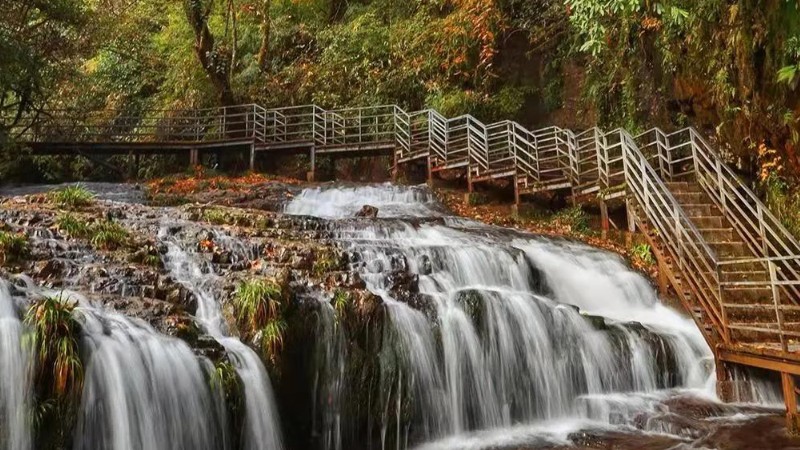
(749, 314)
(707, 222)
(701, 209)
(718, 234)
(691, 197)
(747, 294)
(684, 186)
(729, 249)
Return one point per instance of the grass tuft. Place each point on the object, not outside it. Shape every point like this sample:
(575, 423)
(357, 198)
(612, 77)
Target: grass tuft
(108, 235)
(643, 253)
(13, 246)
(72, 197)
(574, 218)
(256, 302)
(55, 345)
(74, 226)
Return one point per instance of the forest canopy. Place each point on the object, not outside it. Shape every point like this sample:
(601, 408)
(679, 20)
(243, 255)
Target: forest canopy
(729, 68)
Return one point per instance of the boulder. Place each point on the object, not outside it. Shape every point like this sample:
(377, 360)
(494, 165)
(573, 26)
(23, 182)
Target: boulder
(368, 211)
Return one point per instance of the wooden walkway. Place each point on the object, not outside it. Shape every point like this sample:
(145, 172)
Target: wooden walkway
(728, 259)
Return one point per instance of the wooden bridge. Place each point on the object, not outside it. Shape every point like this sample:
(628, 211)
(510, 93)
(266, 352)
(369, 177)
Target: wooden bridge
(731, 263)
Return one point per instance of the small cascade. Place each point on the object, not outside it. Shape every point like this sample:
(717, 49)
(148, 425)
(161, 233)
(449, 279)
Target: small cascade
(261, 427)
(15, 382)
(339, 201)
(330, 354)
(144, 390)
(507, 328)
(141, 389)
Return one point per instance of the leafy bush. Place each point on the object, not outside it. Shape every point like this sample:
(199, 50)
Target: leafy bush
(13, 246)
(72, 197)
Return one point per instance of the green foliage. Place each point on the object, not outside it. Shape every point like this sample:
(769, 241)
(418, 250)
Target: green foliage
(216, 216)
(108, 235)
(74, 226)
(341, 299)
(72, 197)
(643, 253)
(325, 263)
(575, 218)
(55, 344)
(102, 234)
(256, 303)
(13, 246)
(783, 200)
(271, 338)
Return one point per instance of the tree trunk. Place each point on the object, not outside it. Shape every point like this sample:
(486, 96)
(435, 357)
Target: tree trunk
(215, 62)
(337, 10)
(263, 50)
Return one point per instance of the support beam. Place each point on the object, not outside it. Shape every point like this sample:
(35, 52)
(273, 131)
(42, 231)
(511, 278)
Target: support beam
(194, 157)
(790, 398)
(604, 224)
(252, 157)
(429, 179)
(631, 217)
(312, 154)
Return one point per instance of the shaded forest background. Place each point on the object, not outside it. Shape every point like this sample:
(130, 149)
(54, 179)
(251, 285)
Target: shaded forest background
(731, 68)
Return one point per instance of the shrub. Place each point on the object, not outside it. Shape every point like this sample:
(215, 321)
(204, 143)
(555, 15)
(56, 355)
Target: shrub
(72, 197)
(340, 300)
(13, 246)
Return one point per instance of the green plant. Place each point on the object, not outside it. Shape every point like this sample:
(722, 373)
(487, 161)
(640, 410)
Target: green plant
(216, 216)
(574, 218)
(644, 253)
(325, 263)
(74, 226)
(13, 246)
(108, 235)
(55, 344)
(272, 338)
(340, 300)
(256, 302)
(72, 197)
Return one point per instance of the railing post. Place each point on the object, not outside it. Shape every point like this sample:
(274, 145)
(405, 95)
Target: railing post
(694, 154)
(773, 283)
(721, 186)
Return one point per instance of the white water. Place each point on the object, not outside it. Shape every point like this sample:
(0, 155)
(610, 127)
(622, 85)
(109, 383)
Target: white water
(509, 348)
(261, 428)
(330, 353)
(141, 389)
(15, 383)
(338, 201)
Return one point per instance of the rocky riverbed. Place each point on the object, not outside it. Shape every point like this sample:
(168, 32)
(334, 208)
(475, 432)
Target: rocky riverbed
(329, 305)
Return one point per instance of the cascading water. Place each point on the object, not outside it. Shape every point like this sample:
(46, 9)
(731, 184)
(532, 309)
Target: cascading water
(337, 201)
(141, 389)
(15, 383)
(261, 427)
(524, 329)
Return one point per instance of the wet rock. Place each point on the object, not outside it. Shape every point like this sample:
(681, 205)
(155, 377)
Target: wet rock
(368, 211)
(46, 270)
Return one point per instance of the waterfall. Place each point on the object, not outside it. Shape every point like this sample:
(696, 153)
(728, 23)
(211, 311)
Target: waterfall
(141, 389)
(15, 383)
(261, 427)
(339, 201)
(524, 329)
(330, 353)
(144, 390)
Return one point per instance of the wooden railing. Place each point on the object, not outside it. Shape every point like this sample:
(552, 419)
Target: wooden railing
(607, 164)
